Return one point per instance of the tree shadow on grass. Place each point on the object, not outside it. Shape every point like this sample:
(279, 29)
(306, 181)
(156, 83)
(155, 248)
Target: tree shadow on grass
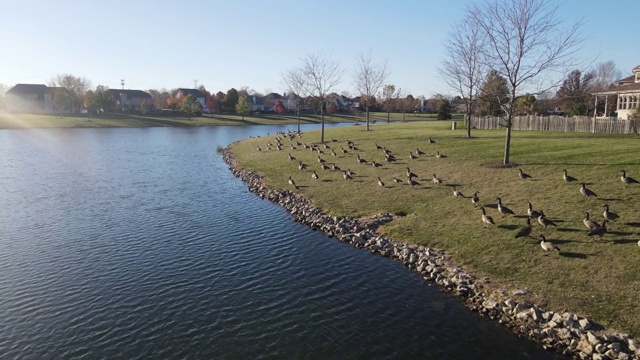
(509, 227)
(633, 223)
(624, 241)
(573, 255)
(568, 230)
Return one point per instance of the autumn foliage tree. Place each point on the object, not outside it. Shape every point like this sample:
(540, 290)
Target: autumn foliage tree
(243, 107)
(189, 105)
(574, 95)
(279, 108)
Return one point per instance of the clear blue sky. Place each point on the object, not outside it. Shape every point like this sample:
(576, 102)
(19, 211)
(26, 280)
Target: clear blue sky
(238, 43)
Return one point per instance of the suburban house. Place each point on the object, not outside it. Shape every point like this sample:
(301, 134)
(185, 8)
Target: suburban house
(31, 98)
(130, 100)
(628, 93)
(202, 99)
(256, 103)
(269, 101)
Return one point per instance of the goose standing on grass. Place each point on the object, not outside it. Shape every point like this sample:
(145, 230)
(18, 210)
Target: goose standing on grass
(292, 183)
(419, 152)
(378, 147)
(413, 182)
(590, 224)
(431, 141)
(333, 153)
(314, 175)
(380, 183)
(291, 157)
(347, 176)
(547, 245)
(411, 156)
(321, 160)
(525, 231)
(475, 199)
(344, 151)
(457, 193)
(350, 173)
(440, 156)
(258, 148)
(503, 209)
(410, 174)
(532, 213)
(324, 166)
(626, 179)
(360, 160)
(397, 181)
(389, 158)
(335, 167)
(566, 177)
(523, 175)
(436, 180)
(486, 219)
(302, 166)
(544, 222)
(608, 215)
(376, 164)
(598, 231)
(586, 192)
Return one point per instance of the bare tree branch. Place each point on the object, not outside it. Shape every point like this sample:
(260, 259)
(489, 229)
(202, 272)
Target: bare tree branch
(368, 79)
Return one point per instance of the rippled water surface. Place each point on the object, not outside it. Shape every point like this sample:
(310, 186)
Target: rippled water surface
(139, 243)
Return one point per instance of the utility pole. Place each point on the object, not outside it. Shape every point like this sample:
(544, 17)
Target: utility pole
(122, 83)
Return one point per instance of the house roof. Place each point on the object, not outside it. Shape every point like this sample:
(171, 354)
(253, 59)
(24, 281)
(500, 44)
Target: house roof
(130, 94)
(625, 85)
(195, 92)
(24, 89)
(254, 100)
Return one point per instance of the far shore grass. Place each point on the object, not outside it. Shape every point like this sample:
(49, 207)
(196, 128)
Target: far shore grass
(22, 121)
(596, 279)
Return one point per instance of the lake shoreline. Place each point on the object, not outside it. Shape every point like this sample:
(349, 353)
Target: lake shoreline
(562, 332)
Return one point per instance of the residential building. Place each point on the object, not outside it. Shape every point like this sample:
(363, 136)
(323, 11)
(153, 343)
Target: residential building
(202, 99)
(29, 98)
(130, 100)
(628, 94)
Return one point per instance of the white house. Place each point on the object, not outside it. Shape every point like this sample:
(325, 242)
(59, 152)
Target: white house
(195, 92)
(628, 91)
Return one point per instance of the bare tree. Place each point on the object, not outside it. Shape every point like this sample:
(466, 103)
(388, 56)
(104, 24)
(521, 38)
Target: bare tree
(368, 80)
(524, 42)
(321, 75)
(461, 68)
(76, 86)
(296, 85)
(607, 73)
(390, 95)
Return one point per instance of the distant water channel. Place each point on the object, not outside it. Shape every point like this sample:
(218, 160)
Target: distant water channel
(140, 244)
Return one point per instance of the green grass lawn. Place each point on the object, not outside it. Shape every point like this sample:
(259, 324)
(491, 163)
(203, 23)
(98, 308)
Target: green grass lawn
(9, 121)
(597, 279)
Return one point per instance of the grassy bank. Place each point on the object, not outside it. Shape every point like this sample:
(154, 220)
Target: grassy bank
(11, 121)
(597, 279)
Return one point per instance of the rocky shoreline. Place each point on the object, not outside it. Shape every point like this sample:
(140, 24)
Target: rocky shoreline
(563, 332)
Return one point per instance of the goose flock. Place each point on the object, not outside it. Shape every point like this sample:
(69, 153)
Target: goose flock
(351, 157)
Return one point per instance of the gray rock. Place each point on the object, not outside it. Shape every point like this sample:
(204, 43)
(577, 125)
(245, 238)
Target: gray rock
(584, 324)
(615, 346)
(624, 356)
(600, 348)
(611, 354)
(592, 338)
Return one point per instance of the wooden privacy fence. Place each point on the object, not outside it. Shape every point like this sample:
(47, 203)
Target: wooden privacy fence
(560, 123)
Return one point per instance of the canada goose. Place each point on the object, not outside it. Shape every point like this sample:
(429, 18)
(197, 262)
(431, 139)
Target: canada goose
(324, 167)
(598, 231)
(586, 192)
(376, 164)
(503, 209)
(525, 231)
(523, 175)
(542, 220)
(293, 147)
(314, 176)
(326, 146)
(335, 167)
(347, 176)
(386, 151)
(350, 173)
(333, 153)
(457, 193)
(590, 224)
(344, 151)
(627, 180)
(440, 156)
(567, 177)
(431, 141)
(436, 180)
(334, 140)
(532, 213)
(378, 147)
(486, 219)
(413, 182)
(475, 199)
(389, 158)
(547, 245)
(411, 156)
(410, 174)
(419, 152)
(350, 143)
(321, 160)
(292, 183)
(380, 182)
(291, 157)
(258, 148)
(361, 160)
(608, 215)
(302, 166)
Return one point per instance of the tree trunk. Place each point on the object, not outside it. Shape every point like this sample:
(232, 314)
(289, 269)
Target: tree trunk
(367, 116)
(298, 115)
(467, 121)
(404, 116)
(507, 144)
(322, 122)
(388, 116)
